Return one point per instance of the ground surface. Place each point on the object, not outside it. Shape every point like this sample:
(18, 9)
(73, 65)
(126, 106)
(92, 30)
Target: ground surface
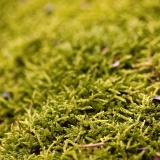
(79, 72)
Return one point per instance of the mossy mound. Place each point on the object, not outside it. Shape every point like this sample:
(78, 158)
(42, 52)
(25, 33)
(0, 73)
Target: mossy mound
(75, 73)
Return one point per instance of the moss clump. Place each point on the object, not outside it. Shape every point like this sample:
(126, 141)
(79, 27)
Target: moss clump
(79, 73)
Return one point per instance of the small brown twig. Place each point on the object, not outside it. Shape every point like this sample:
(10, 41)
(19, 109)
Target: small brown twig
(91, 145)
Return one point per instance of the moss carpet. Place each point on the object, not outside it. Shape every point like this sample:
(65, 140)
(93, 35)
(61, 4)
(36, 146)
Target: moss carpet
(79, 80)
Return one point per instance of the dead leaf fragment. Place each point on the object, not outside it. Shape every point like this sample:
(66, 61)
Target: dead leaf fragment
(115, 64)
(156, 99)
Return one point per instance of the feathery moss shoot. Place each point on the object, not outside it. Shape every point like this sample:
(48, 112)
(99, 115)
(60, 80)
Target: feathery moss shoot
(79, 80)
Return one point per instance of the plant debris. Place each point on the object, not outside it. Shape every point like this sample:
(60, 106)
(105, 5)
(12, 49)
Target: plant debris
(91, 145)
(142, 149)
(157, 156)
(156, 99)
(115, 64)
(48, 8)
(6, 95)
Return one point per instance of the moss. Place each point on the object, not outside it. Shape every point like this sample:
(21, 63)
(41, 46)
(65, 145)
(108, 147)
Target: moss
(79, 73)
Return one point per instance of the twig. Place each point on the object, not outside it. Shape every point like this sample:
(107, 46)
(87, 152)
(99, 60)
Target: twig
(91, 145)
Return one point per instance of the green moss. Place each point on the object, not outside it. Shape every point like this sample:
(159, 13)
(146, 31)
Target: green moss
(76, 73)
